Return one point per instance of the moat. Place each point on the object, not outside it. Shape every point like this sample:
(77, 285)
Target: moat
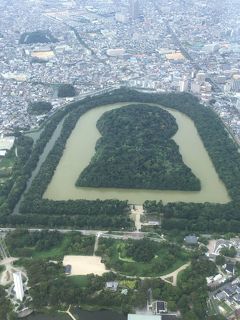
(80, 148)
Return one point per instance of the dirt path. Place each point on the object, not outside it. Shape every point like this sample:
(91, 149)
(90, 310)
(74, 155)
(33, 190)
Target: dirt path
(96, 243)
(174, 274)
(136, 216)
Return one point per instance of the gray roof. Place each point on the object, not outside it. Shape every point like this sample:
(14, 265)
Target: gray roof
(191, 239)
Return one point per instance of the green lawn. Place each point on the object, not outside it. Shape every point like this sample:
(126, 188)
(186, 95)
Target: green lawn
(58, 251)
(81, 281)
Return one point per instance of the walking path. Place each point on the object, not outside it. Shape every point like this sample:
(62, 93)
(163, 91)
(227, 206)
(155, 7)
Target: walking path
(68, 312)
(174, 275)
(136, 213)
(96, 243)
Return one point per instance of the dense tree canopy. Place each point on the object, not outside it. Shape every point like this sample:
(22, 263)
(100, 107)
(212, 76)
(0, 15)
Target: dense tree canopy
(38, 36)
(66, 90)
(136, 151)
(39, 107)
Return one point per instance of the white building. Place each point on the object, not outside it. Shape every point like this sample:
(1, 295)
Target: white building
(18, 285)
(183, 85)
(238, 104)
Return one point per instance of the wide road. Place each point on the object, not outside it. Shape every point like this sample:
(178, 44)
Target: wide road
(124, 235)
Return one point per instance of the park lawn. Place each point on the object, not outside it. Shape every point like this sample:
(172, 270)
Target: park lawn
(58, 251)
(80, 281)
(130, 284)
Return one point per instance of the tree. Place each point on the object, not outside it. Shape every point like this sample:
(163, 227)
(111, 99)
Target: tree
(228, 252)
(220, 260)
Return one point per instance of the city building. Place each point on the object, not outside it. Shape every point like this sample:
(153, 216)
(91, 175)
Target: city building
(183, 85)
(134, 9)
(18, 285)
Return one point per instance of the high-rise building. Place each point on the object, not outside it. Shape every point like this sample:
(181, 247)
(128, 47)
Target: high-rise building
(18, 285)
(183, 85)
(238, 104)
(134, 9)
(200, 77)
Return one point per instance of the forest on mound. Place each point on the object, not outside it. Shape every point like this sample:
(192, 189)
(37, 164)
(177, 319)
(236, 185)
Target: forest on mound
(136, 151)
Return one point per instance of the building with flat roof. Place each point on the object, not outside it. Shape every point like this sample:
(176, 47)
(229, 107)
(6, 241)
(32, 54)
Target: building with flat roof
(18, 285)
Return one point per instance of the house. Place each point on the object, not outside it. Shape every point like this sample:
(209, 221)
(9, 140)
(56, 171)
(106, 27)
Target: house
(68, 269)
(159, 307)
(191, 240)
(111, 285)
(229, 268)
(221, 296)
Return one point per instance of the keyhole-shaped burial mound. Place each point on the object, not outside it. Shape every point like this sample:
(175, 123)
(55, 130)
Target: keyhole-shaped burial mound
(136, 150)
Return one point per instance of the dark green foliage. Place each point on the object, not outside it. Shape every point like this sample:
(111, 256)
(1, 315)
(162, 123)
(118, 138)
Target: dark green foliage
(136, 151)
(13, 188)
(153, 206)
(22, 242)
(50, 287)
(39, 36)
(5, 306)
(228, 252)
(141, 257)
(39, 107)
(66, 90)
(193, 286)
(220, 260)
(142, 250)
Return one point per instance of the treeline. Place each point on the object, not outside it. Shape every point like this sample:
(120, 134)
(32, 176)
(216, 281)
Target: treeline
(97, 222)
(136, 151)
(205, 217)
(12, 189)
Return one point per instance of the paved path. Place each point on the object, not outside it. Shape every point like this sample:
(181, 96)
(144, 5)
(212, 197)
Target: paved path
(96, 243)
(174, 274)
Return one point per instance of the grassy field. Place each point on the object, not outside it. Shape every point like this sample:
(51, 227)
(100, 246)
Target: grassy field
(55, 252)
(80, 281)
